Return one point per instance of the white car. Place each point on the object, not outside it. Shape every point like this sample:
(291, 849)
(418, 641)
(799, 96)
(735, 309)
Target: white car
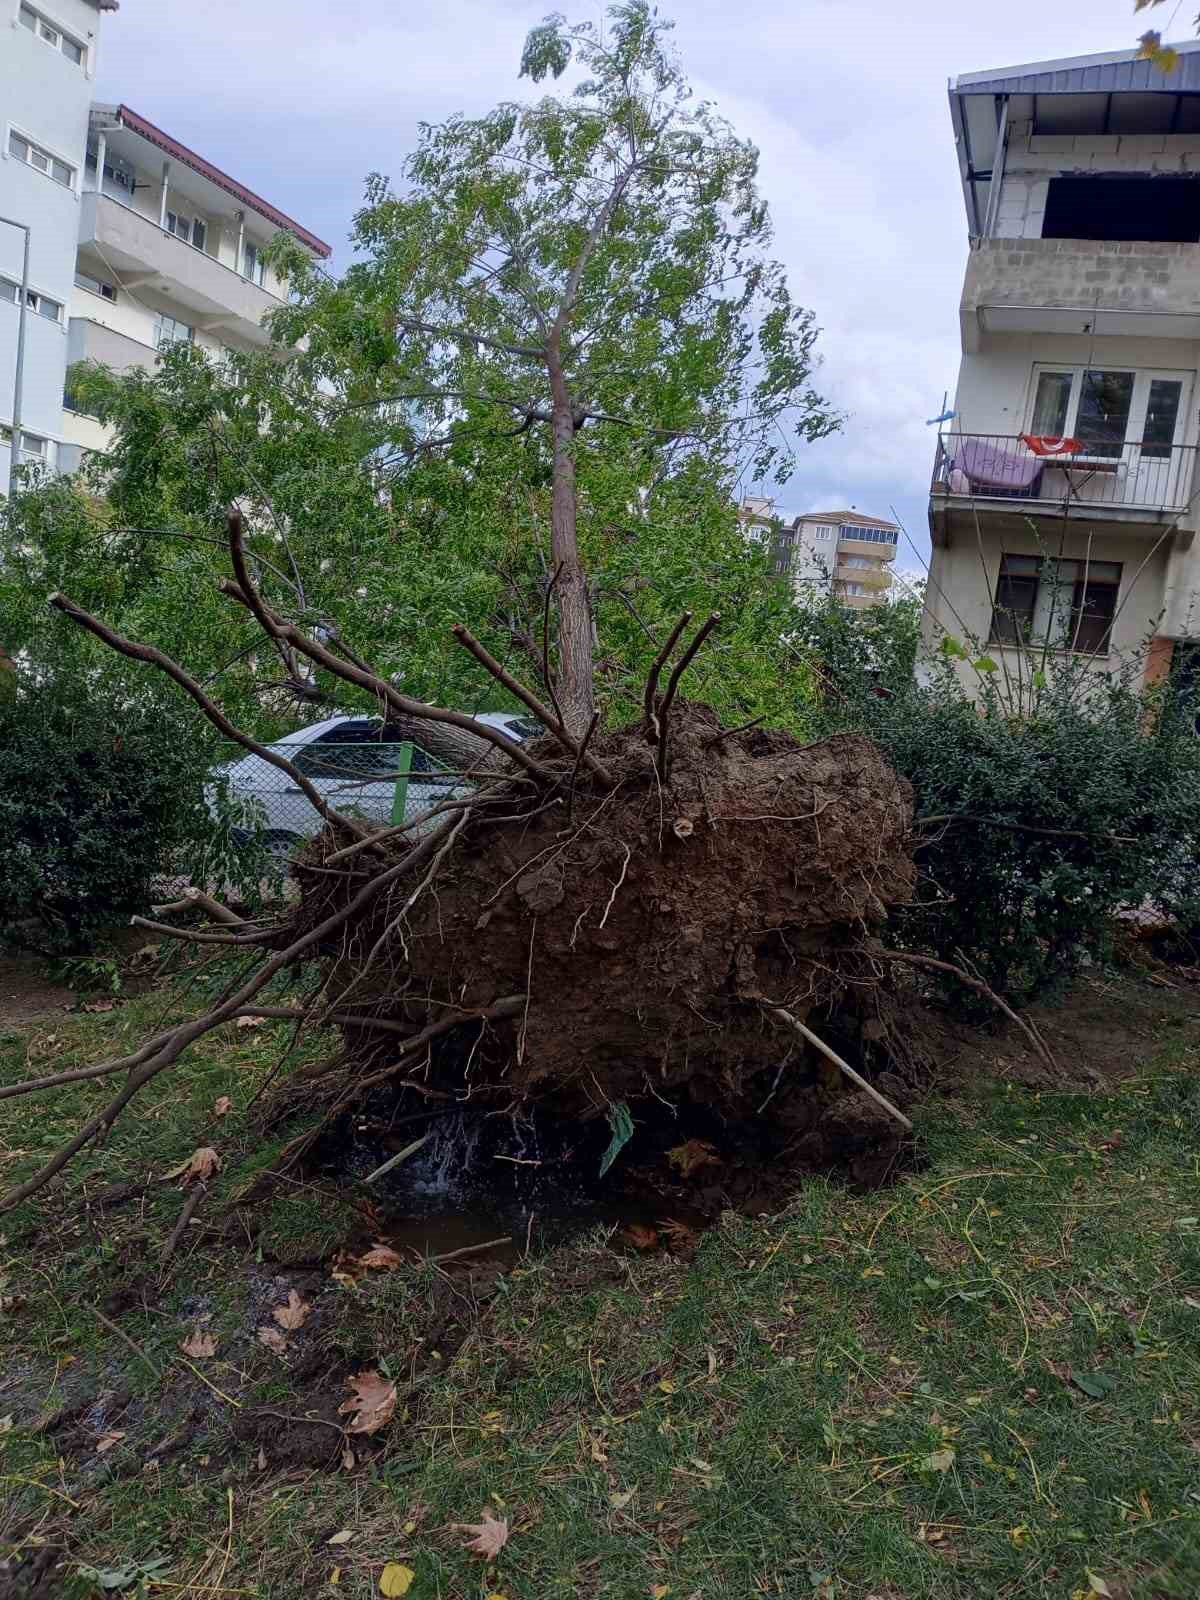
(358, 769)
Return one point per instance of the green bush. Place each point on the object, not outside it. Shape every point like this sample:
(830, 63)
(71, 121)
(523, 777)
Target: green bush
(1110, 772)
(99, 792)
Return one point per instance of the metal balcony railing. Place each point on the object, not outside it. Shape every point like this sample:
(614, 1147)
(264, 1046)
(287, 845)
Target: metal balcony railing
(1137, 475)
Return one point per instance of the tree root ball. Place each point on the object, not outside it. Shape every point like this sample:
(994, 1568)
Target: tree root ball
(649, 925)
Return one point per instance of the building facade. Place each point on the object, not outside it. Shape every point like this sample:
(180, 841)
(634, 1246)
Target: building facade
(137, 242)
(838, 552)
(1063, 505)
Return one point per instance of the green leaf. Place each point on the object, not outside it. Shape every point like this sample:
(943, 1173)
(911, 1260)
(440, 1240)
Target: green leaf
(621, 1123)
(1096, 1384)
(985, 664)
(951, 647)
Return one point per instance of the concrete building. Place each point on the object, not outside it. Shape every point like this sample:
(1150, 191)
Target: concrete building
(138, 242)
(1063, 506)
(841, 552)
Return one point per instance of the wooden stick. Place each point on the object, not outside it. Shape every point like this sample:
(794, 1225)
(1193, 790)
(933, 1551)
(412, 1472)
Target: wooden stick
(681, 667)
(198, 935)
(980, 987)
(390, 1165)
(155, 657)
(216, 911)
(190, 1206)
(471, 1250)
(124, 1337)
(728, 733)
(244, 592)
(844, 1066)
(514, 686)
(660, 661)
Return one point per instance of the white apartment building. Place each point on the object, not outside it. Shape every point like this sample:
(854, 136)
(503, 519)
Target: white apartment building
(137, 241)
(838, 552)
(1064, 501)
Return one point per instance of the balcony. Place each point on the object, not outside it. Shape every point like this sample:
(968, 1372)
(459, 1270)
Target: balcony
(1087, 286)
(145, 255)
(88, 340)
(872, 577)
(1137, 483)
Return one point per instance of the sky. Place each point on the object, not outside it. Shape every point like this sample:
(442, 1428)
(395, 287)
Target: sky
(845, 99)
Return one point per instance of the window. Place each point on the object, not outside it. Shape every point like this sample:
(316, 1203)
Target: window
(1108, 410)
(854, 589)
(41, 160)
(168, 331)
(84, 280)
(867, 535)
(858, 561)
(32, 444)
(191, 230)
(825, 533)
(252, 262)
(41, 303)
(118, 174)
(52, 35)
(1068, 605)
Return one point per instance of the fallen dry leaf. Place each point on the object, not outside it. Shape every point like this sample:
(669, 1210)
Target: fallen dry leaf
(273, 1339)
(262, 1459)
(344, 1537)
(372, 1402)
(107, 1440)
(348, 1458)
(396, 1580)
(201, 1164)
(293, 1315)
(686, 1158)
(101, 1005)
(639, 1236)
(679, 1236)
(223, 1106)
(489, 1535)
(382, 1256)
(252, 1022)
(199, 1343)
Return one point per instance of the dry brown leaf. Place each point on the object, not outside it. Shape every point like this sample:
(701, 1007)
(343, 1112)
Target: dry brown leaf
(293, 1315)
(489, 1536)
(199, 1344)
(640, 1237)
(252, 1022)
(262, 1459)
(348, 1458)
(691, 1155)
(107, 1440)
(343, 1270)
(344, 1537)
(201, 1164)
(101, 1005)
(678, 1235)
(223, 1106)
(372, 1402)
(382, 1256)
(273, 1339)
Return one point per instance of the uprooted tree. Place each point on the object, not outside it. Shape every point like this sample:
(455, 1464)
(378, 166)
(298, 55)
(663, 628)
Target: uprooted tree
(610, 915)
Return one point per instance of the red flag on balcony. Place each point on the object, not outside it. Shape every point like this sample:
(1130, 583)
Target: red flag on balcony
(1045, 444)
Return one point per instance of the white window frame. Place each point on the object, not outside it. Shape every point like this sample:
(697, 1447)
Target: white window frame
(185, 229)
(259, 272)
(162, 344)
(1143, 377)
(61, 35)
(34, 301)
(33, 145)
(110, 298)
(43, 455)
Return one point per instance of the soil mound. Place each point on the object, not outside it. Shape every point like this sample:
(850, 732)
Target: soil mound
(637, 933)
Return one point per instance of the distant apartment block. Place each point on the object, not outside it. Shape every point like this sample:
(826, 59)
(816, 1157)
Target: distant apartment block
(137, 242)
(838, 552)
(1063, 505)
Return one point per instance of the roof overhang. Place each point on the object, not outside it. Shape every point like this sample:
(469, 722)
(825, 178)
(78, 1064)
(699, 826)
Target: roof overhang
(1081, 91)
(123, 116)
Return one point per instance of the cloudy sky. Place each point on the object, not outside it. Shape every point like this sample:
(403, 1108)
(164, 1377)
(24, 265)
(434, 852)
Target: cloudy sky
(846, 100)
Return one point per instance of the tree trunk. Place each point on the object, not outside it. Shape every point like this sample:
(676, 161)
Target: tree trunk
(575, 684)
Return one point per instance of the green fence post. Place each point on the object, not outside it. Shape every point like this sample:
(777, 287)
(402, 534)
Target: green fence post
(400, 797)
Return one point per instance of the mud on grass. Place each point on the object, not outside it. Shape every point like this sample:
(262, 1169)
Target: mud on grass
(981, 1381)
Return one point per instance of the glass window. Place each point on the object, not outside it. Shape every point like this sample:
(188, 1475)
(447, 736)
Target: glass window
(29, 19)
(1162, 414)
(45, 307)
(1068, 605)
(17, 147)
(84, 280)
(73, 51)
(169, 331)
(199, 233)
(1102, 423)
(253, 266)
(1052, 405)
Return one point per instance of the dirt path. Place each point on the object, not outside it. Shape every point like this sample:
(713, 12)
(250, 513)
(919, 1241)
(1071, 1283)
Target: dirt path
(27, 993)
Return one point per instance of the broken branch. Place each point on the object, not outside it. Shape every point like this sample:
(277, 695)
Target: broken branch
(979, 987)
(843, 1066)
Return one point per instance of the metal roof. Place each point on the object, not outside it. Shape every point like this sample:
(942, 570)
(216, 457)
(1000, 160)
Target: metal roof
(188, 158)
(1117, 72)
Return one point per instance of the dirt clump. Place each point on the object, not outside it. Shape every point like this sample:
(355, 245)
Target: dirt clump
(639, 931)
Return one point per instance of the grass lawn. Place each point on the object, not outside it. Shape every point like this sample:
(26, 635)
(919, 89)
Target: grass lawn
(982, 1382)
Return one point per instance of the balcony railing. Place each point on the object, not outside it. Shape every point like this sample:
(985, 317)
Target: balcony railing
(1136, 476)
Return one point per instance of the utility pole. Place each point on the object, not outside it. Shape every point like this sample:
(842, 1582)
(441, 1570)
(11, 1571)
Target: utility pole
(14, 453)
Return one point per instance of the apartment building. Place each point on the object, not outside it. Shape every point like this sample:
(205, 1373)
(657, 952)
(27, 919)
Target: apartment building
(838, 552)
(1063, 506)
(138, 242)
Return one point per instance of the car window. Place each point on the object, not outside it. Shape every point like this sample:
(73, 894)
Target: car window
(524, 727)
(349, 762)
